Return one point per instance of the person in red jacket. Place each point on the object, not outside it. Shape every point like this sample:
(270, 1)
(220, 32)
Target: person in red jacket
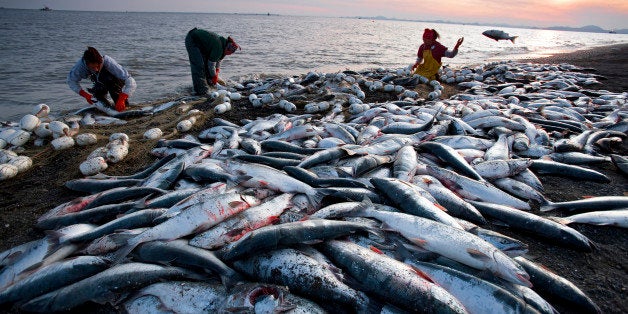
(108, 77)
(430, 53)
(205, 51)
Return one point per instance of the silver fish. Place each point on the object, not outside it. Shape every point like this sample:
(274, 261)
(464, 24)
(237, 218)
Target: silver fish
(498, 35)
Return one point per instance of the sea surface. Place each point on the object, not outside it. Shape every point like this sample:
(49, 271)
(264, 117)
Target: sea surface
(40, 47)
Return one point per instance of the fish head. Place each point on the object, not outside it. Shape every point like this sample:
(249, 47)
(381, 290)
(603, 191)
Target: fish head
(246, 295)
(510, 270)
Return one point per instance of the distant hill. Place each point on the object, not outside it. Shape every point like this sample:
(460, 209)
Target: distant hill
(588, 28)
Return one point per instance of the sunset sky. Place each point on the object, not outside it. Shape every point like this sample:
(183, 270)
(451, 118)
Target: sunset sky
(608, 14)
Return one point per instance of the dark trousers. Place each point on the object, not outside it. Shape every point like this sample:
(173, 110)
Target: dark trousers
(105, 82)
(198, 64)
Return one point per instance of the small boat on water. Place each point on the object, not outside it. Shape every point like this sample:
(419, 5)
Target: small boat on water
(46, 8)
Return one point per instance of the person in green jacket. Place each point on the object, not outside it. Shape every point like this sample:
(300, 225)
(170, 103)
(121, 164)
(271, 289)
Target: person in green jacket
(205, 51)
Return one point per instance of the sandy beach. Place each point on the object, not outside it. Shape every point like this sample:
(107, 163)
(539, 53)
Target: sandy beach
(601, 274)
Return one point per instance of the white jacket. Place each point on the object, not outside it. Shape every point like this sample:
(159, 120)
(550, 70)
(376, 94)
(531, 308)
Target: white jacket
(81, 71)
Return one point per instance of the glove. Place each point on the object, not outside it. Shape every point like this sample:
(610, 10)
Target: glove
(87, 96)
(121, 103)
(215, 78)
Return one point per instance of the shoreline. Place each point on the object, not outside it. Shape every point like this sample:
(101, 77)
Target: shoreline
(601, 274)
(608, 59)
(611, 62)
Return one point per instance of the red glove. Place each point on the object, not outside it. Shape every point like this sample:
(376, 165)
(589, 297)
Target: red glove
(87, 96)
(215, 78)
(121, 103)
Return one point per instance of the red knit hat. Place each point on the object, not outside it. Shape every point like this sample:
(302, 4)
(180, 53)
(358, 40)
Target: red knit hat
(428, 34)
(231, 45)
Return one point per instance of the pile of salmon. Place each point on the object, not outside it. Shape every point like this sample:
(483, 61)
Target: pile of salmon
(356, 207)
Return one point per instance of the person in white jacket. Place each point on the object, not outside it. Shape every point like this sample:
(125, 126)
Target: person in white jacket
(108, 77)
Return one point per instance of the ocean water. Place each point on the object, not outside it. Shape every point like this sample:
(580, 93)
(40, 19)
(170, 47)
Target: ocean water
(40, 47)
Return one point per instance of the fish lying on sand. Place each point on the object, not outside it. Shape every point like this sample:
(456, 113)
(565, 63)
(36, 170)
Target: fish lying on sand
(223, 201)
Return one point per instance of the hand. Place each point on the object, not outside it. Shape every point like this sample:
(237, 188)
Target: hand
(459, 43)
(215, 78)
(87, 96)
(121, 103)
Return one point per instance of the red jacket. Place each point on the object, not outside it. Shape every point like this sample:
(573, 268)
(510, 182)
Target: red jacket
(438, 51)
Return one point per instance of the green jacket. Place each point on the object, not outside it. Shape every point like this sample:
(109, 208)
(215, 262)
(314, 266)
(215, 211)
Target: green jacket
(212, 45)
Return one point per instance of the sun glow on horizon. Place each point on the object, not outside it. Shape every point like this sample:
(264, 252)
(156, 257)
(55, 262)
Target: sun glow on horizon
(611, 14)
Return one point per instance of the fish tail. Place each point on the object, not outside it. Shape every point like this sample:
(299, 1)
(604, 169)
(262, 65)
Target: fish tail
(544, 201)
(230, 281)
(594, 246)
(348, 151)
(547, 207)
(122, 253)
(140, 204)
(315, 199)
(513, 39)
(371, 306)
(234, 181)
(363, 210)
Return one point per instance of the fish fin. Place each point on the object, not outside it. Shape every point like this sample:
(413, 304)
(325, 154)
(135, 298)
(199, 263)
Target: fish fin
(525, 281)
(236, 204)
(560, 220)
(121, 254)
(99, 175)
(12, 258)
(376, 250)
(382, 246)
(441, 207)
(53, 236)
(427, 181)
(313, 241)
(477, 254)
(343, 173)
(498, 222)
(513, 39)
(379, 234)
(419, 242)
(410, 251)
(421, 274)
(29, 270)
(237, 232)
(106, 297)
(236, 309)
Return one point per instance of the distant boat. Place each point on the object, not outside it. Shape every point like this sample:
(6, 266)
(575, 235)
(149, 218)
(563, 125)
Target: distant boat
(612, 31)
(46, 8)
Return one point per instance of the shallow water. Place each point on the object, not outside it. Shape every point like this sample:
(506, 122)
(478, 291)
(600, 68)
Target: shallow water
(39, 48)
